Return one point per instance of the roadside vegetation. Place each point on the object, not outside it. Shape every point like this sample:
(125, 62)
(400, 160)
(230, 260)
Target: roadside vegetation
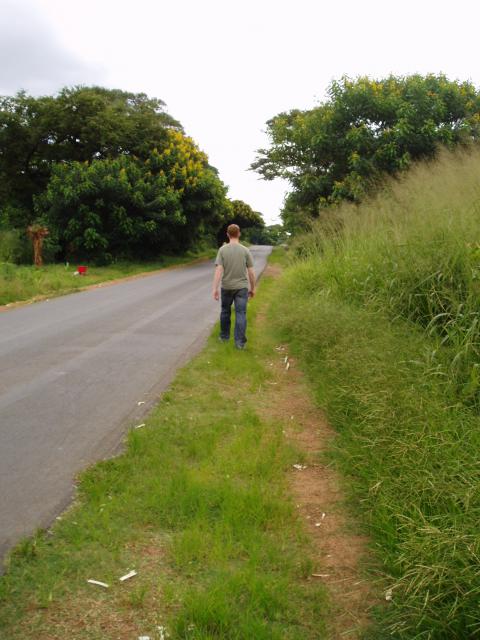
(366, 129)
(198, 505)
(382, 306)
(102, 175)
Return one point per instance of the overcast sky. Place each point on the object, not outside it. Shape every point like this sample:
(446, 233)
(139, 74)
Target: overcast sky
(224, 67)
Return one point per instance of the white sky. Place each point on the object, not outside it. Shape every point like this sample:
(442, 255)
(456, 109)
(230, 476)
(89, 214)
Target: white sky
(225, 67)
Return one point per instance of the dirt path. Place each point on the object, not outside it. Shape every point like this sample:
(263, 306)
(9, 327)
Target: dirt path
(338, 550)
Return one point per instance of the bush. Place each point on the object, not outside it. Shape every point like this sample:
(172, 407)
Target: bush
(15, 247)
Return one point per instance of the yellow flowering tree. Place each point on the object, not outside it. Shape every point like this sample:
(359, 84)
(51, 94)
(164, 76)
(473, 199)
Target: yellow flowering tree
(202, 193)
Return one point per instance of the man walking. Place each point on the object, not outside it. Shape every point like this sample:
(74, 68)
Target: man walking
(234, 268)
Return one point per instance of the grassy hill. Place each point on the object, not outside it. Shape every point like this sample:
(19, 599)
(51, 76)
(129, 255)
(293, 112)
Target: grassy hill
(383, 307)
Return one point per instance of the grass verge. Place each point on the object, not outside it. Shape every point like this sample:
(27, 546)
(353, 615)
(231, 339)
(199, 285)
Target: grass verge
(21, 283)
(199, 505)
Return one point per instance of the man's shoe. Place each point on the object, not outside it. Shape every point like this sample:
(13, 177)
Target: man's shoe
(240, 346)
(220, 339)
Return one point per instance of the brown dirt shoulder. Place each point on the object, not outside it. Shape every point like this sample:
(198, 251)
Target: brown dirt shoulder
(340, 552)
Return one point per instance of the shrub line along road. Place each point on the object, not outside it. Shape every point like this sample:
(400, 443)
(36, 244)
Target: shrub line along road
(73, 370)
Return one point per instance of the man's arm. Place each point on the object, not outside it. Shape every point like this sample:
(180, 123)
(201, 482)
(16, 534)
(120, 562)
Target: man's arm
(251, 278)
(216, 281)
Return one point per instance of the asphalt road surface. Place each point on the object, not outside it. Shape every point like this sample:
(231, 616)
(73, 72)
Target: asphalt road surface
(72, 372)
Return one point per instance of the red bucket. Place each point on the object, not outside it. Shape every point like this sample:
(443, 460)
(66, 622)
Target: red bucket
(82, 270)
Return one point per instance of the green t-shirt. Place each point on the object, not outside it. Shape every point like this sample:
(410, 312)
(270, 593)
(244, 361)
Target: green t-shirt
(234, 258)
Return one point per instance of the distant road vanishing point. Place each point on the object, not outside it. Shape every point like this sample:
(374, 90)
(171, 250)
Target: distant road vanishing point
(73, 371)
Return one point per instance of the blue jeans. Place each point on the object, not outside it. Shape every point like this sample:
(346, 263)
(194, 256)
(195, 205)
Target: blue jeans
(239, 297)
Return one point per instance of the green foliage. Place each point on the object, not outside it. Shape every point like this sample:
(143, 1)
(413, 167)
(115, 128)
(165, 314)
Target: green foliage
(240, 213)
(413, 253)
(367, 128)
(15, 246)
(108, 206)
(384, 313)
(109, 172)
(273, 234)
(129, 206)
(79, 124)
(245, 216)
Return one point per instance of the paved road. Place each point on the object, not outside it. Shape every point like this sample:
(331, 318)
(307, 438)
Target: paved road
(72, 371)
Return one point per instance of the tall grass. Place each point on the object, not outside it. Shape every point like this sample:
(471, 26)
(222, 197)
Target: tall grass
(414, 253)
(384, 311)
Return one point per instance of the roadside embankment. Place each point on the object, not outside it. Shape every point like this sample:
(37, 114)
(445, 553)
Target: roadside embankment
(383, 313)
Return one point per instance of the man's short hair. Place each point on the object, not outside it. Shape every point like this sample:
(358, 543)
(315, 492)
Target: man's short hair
(233, 231)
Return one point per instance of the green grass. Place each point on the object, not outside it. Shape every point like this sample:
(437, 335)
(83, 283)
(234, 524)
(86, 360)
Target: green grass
(383, 311)
(199, 505)
(19, 283)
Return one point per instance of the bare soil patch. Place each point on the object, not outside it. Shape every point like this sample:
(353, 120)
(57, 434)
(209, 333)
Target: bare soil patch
(123, 611)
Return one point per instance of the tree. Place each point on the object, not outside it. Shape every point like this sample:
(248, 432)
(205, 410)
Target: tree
(132, 207)
(366, 129)
(203, 195)
(37, 233)
(273, 234)
(80, 124)
(242, 214)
